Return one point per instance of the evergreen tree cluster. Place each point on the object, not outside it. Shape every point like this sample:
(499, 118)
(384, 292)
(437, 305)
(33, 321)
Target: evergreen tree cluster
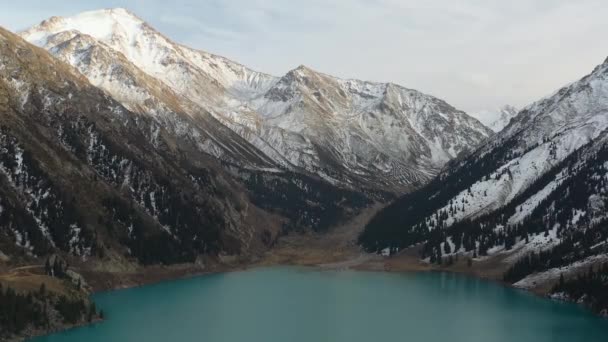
(579, 183)
(307, 202)
(566, 214)
(183, 208)
(162, 219)
(590, 287)
(42, 203)
(575, 246)
(402, 224)
(72, 311)
(56, 268)
(148, 242)
(17, 311)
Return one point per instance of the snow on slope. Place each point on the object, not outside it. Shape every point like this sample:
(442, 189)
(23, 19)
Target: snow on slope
(110, 70)
(373, 129)
(155, 54)
(553, 274)
(546, 132)
(349, 132)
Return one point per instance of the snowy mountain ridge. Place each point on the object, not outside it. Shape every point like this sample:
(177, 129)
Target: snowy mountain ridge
(545, 133)
(348, 132)
(534, 195)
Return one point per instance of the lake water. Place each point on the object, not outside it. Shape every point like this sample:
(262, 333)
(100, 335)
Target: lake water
(297, 304)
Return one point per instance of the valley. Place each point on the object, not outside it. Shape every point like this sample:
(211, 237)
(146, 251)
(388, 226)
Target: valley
(128, 159)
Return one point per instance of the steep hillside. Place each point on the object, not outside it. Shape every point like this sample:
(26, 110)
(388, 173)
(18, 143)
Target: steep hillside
(113, 190)
(64, 140)
(534, 193)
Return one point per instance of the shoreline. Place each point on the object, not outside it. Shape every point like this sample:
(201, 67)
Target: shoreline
(369, 264)
(333, 250)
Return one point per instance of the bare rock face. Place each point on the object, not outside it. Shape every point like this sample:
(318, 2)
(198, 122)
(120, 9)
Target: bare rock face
(351, 133)
(119, 143)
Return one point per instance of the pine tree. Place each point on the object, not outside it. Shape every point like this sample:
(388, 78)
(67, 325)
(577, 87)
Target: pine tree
(47, 267)
(92, 312)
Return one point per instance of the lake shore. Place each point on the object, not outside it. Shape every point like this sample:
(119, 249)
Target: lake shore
(334, 250)
(284, 255)
(296, 303)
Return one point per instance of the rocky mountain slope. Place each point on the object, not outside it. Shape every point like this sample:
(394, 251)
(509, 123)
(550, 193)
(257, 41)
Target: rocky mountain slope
(84, 176)
(368, 133)
(63, 140)
(534, 194)
(113, 187)
(348, 132)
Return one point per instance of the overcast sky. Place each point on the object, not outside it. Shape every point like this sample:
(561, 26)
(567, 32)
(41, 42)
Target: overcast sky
(476, 54)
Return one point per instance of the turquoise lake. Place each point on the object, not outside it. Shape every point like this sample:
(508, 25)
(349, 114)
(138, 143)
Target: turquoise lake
(290, 304)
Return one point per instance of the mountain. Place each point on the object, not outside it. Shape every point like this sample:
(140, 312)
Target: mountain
(271, 182)
(532, 197)
(368, 132)
(84, 176)
(110, 70)
(111, 188)
(63, 140)
(351, 133)
(505, 114)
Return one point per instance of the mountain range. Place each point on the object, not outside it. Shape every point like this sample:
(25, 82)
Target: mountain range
(350, 133)
(190, 154)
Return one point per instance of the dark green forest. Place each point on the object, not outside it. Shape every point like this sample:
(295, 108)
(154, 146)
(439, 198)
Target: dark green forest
(590, 287)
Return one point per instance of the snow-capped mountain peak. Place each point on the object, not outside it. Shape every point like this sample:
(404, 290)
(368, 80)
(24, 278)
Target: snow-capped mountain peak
(349, 132)
(155, 54)
(103, 24)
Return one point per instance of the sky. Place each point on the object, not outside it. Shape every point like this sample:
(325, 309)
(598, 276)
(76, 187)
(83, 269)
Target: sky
(478, 55)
